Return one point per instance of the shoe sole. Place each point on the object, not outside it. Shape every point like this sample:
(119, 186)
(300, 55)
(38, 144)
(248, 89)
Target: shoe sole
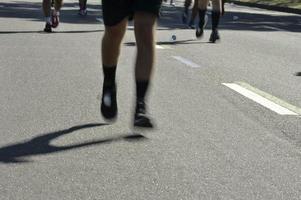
(143, 123)
(109, 117)
(47, 31)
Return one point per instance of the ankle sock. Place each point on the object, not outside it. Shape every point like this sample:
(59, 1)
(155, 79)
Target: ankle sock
(48, 20)
(109, 73)
(141, 89)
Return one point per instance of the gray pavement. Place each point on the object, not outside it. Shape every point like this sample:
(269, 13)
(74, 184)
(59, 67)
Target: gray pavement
(210, 141)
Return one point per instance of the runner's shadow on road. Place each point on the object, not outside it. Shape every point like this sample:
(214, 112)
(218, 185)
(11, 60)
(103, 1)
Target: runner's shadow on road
(239, 20)
(42, 32)
(171, 17)
(40, 145)
(177, 42)
(32, 11)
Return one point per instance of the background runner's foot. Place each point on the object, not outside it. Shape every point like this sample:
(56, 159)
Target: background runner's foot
(48, 28)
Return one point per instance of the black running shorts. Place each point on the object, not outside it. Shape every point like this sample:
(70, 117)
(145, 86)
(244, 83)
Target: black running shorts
(114, 11)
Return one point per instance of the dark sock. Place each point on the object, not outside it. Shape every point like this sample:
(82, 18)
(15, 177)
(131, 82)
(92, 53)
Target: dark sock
(191, 22)
(215, 19)
(141, 89)
(109, 73)
(186, 11)
(202, 14)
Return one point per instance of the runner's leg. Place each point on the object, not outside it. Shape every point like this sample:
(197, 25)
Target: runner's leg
(216, 13)
(194, 13)
(46, 5)
(202, 5)
(56, 13)
(58, 4)
(82, 7)
(145, 37)
(111, 43)
(46, 8)
(187, 4)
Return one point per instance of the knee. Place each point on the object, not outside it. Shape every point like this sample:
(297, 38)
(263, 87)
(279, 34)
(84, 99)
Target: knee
(144, 35)
(114, 34)
(144, 29)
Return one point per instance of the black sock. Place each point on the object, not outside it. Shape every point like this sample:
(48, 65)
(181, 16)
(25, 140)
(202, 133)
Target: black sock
(141, 89)
(215, 19)
(109, 73)
(202, 14)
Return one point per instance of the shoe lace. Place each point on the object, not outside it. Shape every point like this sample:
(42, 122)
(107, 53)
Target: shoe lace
(140, 107)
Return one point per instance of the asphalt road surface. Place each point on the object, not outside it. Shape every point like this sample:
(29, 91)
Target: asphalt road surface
(227, 115)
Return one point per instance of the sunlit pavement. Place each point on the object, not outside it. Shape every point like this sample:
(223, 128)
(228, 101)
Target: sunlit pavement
(227, 114)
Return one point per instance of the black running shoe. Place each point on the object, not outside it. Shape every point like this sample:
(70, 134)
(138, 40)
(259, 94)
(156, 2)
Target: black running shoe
(202, 24)
(199, 32)
(47, 28)
(141, 119)
(214, 36)
(109, 103)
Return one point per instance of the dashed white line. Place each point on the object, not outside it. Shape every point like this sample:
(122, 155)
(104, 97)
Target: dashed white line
(159, 47)
(260, 99)
(186, 61)
(99, 19)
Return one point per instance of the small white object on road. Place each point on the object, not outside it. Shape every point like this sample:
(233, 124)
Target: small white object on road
(173, 38)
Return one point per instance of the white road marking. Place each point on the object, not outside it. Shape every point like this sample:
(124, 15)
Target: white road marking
(260, 99)
(271, 98)
(99, 19)
(167, 47)
(130, 27)
(273, 28)
(186, 61)
(159, 47)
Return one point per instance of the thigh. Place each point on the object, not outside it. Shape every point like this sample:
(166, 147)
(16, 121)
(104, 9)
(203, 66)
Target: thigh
(58, 2)
(216, 5)
(114, 11)
(202, 4)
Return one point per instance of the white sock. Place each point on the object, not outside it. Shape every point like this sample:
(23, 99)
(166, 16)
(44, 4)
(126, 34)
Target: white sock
(48, 20)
